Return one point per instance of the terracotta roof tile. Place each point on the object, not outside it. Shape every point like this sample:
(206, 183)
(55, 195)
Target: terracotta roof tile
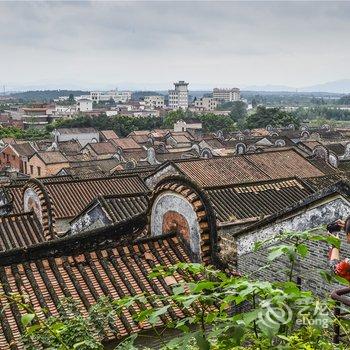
(126, 143)
(109, 134)
(101, 148)
(23, 149)
(255, 200)
(52, 157)
(248, 168)
(20, 230)
(70, 197)
(76, 130)
(117, 271)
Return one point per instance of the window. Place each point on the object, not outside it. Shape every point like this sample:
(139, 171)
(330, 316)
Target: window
(39, 170)
(13, 157)
(31, 169)
(7, 157)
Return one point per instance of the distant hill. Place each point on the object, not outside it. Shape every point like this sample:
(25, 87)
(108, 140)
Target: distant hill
(46, 95)
(338, 86)
(270, 88)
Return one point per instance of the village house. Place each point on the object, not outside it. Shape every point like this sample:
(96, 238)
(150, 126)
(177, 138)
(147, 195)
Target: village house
(16, 156)
(45, 163)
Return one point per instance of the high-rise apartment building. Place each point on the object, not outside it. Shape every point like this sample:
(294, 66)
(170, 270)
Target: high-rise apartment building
(227, 95)
(178, 98)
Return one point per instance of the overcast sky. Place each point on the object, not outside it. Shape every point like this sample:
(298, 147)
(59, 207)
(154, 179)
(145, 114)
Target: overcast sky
(151, 44)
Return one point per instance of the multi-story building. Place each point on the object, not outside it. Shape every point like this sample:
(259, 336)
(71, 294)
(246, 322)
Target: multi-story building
(117, 96)
(84, 105)
(227, 95)
(155, 101)
(206, 104)
(178, 98)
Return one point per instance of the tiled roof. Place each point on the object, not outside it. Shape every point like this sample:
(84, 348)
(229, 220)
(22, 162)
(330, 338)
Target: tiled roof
(52, 157)
(252, 201)
(82, 171)
(109, 134)
(70, 197)
(139, 132)
(23, 149)
(214, 143)
(180, 138)
(122, 207)
(126, 143)
(142, 171)
(103, 147)
(282, 164)
(248, 168)
(8, 140)
(105, 164)
(76, 130)
(69, 147)
(321, 164)
(337, 148)
(162, 157)
(117, 271)
(220, 171)
(140, 139)
(20, 230)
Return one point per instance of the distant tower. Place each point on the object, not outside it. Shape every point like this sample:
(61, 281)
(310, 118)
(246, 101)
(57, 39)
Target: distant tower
(178, 98)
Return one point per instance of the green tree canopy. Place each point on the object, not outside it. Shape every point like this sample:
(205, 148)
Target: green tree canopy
(271, 116)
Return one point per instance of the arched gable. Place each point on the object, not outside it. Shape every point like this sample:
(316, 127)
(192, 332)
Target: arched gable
(38, 200)
(177, 204)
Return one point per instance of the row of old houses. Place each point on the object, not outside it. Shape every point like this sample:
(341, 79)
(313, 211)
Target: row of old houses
(85, 234)
(89, 150)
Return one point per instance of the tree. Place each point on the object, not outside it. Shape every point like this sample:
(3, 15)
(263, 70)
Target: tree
(270, 116)
(238, 111)
(71, 99)
(174, 116)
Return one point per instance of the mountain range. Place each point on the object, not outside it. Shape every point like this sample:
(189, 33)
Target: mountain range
(336, 86)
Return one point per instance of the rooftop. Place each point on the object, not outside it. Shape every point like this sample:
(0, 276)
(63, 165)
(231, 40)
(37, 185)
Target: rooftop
(76, 130)
(120, 269)
(69, 197)
(275, 164)
(52, 157)
(20, 230)
(256, 200)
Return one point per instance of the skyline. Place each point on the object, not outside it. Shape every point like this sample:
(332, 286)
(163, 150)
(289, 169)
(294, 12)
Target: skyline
(138, 45)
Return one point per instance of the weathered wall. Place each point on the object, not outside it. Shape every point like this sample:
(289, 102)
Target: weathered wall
(83, 139)
(248, 262)
(93, 218)
(171, 208)
(152, 181)
(31, 202)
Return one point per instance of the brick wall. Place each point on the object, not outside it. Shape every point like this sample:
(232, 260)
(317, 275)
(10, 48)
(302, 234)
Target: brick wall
(36, 167)
(308, 269)
(9, 157)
